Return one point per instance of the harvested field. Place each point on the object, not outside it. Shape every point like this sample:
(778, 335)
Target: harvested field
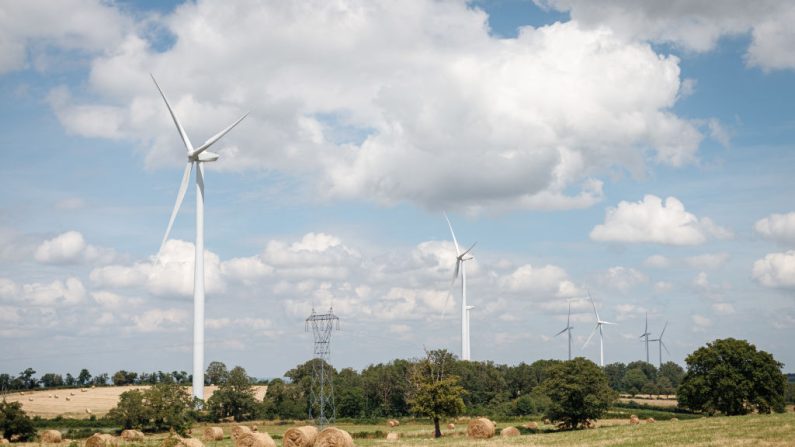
(98, 400)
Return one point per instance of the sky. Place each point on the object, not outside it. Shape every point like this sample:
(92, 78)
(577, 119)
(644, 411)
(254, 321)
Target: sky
(637, 152)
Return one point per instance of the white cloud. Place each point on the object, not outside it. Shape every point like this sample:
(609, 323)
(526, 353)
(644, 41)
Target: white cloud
(71, 247)
(69, 292)
(696, 25)
(663, 286)
(776, 270)
(708, 261)
(562, 106)
(653, 221)
(107, 299)
(777, 227)
(701, 322)
(622, 278)
(723, 308)
(161, 320)
(657, 261)
(539, 282)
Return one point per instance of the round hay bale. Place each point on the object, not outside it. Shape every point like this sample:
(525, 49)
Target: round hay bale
(132, 435)
(83, 390)
(480, 428)
(68, 398)
(71, 394)
(88, 411)
(255, 440)
(509, 431)
(4, 441)
(30, 399)
(50, 396)
(633, 420)
(547, 422)
(239, 430)
(213, 433)
(392, 436)
(300, 436)
(101, 440)
(253, 428)
(674, 419)
(55, 396)
(650, 420)
(333, 437)
(50, 436)
(396, 422)
(390, 423)
(451, 426)
(188, 442)
(531, 425)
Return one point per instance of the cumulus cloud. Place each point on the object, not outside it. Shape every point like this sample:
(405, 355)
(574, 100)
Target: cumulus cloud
(69, 292)
(777, 227)
(701, 323)
(622, 278)
(161, 320)
(654, 221)
(696, 25)
(657, 261)
(71, 247)
(776, 270)
(563, 105)
(539, 282)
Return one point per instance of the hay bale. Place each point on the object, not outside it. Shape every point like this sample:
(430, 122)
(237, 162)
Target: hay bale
(188, 442)
(253, 428)
(480, 428)
(633, 420)
(4, 441)
(589, 424)
(650, 421)
(674, 419)
(88, 411)
(71, 394)
(255, 440)
(49, 396)
(547, 422)
(55, 396)
(531, 425)
(68, 399)
(300, 436)
(101, 440)
(83, 390)
(509, 432)
(30, 399)
(240, 430)
(334, 437)
(213, 433)
(451, 426)
(50, 436)
(392, 436)
(132, 435)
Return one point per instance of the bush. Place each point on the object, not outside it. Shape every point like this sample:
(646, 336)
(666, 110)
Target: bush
(578, 390)
(14, 422)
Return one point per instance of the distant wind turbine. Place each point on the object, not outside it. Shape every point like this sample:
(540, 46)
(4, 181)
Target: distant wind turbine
(599, 324)
(568, 329)
(461, 257)
(645, 335)
(661, 343)
(196, 156)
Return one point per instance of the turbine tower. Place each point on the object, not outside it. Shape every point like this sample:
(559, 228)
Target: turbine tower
(196, 156)
(645, 335)
(461, 257)
(661, 344)
(599, 324)
(469, 352)
(568, 329)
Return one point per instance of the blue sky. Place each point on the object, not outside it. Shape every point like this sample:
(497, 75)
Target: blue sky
(643, 155)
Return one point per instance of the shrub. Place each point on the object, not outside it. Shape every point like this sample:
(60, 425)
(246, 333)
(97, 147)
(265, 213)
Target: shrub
(14, 422)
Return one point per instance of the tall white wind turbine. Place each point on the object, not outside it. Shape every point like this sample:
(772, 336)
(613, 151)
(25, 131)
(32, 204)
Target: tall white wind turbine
(645, 335)
(661, 344)
(461, 257)
(599, 324)
(196, 156)
(568, 329)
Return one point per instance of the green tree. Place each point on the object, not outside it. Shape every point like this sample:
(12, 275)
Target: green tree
(101, 380)
(673, 372)
(649, 370)
(169, 406)
(634, 381)
(436, 393)
(349, 394)
(70, 380)
(51, 380)
(285, 401)
(84, 378)
(732, 377)
(26, 379)
(578, 391)
(14, 422)
(216, 373)
(130, 411)
(234, 397)
(615, 375)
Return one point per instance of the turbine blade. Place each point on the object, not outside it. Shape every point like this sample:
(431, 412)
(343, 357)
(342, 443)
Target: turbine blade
(180, 196)
(216, 137)
(455, 241)
(447, 300)
(665, 347)
(590, 337)
(564, 330)
(182, 134)
(455, 272)
(594, 307)
(663, 331)
(469, 249)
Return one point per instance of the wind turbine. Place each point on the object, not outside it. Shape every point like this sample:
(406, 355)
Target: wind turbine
(599, 324)
(469, 308)
(645, 335)
(568, 329)
(661, 343)
(196, 156)
(461, 257)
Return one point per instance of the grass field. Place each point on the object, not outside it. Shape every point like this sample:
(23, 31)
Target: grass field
(99, 401)
(753, 430)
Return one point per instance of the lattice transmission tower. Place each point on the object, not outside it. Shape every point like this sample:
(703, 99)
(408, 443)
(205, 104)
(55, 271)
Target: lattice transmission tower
(322, 384)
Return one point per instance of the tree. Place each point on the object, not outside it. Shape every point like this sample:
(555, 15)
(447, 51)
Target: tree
(285, 401)
(14, 422)
(70, 380)
(235, 397)
(51, 380)
(169, 406)
(615, 375)
(578, 391)
(732, 377)
(130, 411)
(216, 373)
(101, 380)
(436, 392)
(671, 371)
(26, 379)
(634, 381)
(84, 378)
